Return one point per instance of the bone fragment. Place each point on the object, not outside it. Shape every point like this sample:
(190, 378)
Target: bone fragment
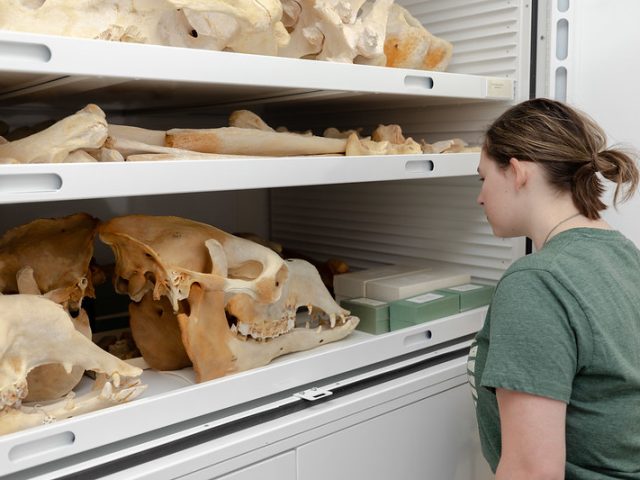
(242, 141)
(409, 45)
(333, 132)
(362, 146)
(85, 129)
(389, 133)
(454, 145)
(80, 156)
(248, 119)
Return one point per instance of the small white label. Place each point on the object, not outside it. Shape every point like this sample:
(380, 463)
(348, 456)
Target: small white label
(466, 288)
(368, 301)
(500, 88)
(427, 297)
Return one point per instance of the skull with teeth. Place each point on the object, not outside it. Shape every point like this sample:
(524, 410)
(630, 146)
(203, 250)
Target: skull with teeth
(36, 331)
(201, 270)
(51, 257)
(304, 288)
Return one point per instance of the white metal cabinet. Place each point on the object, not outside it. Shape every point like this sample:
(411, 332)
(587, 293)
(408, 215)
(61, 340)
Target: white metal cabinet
(282, 467)
(56, 74)
(432, 438)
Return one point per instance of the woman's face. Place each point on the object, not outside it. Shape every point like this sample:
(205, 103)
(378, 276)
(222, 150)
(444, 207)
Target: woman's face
(497, 196)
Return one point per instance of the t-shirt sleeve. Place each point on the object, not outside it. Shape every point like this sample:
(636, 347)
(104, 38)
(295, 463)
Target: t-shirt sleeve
(532, 347)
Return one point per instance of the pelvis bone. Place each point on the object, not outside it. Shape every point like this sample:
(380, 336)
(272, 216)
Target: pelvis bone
(36, 331)
(51, 257)
(211, 265)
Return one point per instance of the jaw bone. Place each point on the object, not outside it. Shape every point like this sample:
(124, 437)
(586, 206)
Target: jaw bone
(263, 331)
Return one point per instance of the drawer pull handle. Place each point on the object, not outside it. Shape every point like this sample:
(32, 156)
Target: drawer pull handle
(30, 183)
(415, 81)
(42, 446)
(419, 166)
(33, 52)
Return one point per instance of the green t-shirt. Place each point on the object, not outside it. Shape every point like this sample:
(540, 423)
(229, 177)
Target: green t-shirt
(564, 323)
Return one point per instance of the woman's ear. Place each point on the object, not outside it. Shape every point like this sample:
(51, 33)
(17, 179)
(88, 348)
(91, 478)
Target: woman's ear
(520, 172)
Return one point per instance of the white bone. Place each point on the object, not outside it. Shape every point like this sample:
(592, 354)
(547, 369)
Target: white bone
(35, 331)
(249, 26)
(85, 129)
(248, 119)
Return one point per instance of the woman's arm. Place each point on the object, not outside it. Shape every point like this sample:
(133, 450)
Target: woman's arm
(533, 436)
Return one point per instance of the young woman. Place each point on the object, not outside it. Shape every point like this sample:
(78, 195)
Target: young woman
(555, 370)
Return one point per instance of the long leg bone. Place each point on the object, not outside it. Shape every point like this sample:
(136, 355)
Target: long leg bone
(245, 141)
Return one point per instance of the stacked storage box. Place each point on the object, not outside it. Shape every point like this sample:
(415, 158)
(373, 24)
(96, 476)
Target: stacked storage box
(395, 296)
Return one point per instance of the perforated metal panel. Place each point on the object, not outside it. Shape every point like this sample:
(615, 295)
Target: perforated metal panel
(403, 222)
(486, 34)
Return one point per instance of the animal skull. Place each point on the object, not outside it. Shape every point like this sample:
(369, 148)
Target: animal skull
(166, 255)
(51, 257)
(274, 325)
(248, 26)
(216, 269)
(36, 331)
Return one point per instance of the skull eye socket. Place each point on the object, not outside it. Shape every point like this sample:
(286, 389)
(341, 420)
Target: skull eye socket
(122, 285)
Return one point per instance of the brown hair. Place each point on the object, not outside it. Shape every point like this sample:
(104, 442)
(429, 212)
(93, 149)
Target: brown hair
(570, 147)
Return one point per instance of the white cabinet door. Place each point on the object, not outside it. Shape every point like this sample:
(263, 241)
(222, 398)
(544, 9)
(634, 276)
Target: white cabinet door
(603, 67)
(434, 438)
(281, 467)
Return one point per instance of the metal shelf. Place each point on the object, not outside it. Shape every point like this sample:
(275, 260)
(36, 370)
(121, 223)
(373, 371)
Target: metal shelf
(218, 398)
(56, 70)
(72, 181)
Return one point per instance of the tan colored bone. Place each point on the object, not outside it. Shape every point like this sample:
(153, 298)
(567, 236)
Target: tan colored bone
(85, 129)
(58, 250)
(36, 331)
(388, 133)
(217, 350)
(243, 141)
(248, 119)
(409, 45)
(362, 146)
(51, 257)
(166, 255)
(155, 330)
(27, 416)
(249, 26)
(340, 31)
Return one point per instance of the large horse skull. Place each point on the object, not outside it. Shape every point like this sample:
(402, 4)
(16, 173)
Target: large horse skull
(211, 268)
(36, 331)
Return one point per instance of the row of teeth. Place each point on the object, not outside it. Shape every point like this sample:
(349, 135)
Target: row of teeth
(244, 330)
